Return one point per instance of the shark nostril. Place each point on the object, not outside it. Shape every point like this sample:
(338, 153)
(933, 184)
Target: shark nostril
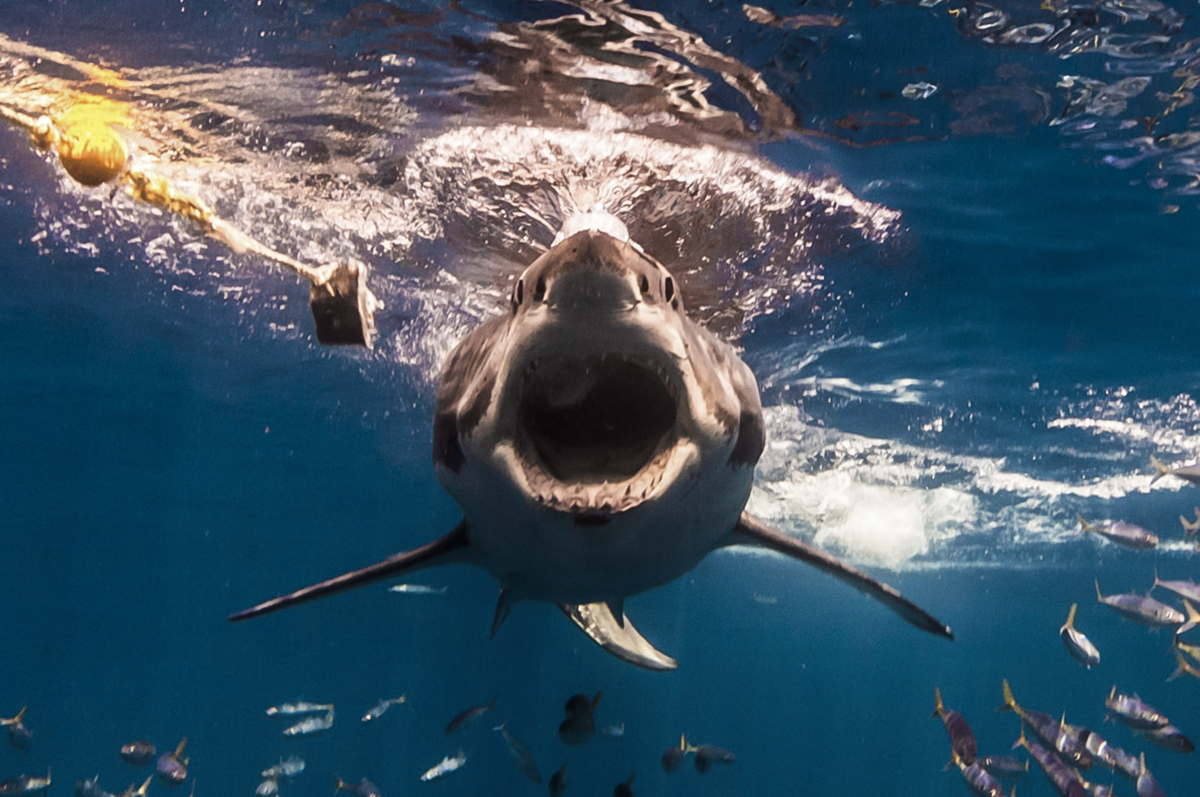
(669, 289)
(644, 284)
(539, 289)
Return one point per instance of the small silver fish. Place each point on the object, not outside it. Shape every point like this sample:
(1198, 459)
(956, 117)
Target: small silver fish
(1141, 609)
(376, 711)
(1184, 589)
(613, 731)
(417, 589)
(1077, 643)
(520, 754)
(299, 707)
(91, 788)
(140, 791)
(25, 784)
(1004, 766)
(19, 736)
(445, 766)
(466, 717)
(1122, 533)
(1111, 756)
(981, 781)
(1189, 473)
(1185, 667)
(288, 767)
(1133, 712)
(268, 788)
(1192, 528)
(364, 788)
(311, 724)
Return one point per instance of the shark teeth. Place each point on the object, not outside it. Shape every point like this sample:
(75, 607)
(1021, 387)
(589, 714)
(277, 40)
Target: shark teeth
(606, 498)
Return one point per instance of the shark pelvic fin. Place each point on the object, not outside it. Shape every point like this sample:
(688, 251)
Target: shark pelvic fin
(618, 637)
(441, 551)
(752, 531)
(503, 607)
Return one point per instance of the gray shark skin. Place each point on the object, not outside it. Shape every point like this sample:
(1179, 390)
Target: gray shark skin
(599, 444)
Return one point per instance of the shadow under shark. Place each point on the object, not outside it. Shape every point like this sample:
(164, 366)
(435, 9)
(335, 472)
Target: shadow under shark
(599, 443)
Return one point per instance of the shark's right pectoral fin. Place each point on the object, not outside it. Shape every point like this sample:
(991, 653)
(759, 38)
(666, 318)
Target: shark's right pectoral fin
(752, 531)
(453, 547)
(617, 635)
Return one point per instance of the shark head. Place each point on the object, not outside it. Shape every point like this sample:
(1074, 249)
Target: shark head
(588, 416)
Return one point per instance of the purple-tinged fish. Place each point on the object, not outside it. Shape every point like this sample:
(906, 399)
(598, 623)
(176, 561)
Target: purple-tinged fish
(1184, 589)
(1142, 609)
(1189, 473)
(1112, 757)
(1076, 642)
(1147, 786)
(1005, 767)
(674, 756)
(580, 724)
(1133, 712)
(1169, 738)
(138, 753)
(962, 738)
(979, 780)
(1051, 731)
(91, 788)
(1122, 533)
(172, 767)
(709, 754)
(1065, 780)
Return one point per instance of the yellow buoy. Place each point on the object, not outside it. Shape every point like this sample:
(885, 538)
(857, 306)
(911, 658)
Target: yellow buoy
(89, 149)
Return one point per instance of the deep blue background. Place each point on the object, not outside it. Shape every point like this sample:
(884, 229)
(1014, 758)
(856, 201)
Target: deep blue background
(164, 463)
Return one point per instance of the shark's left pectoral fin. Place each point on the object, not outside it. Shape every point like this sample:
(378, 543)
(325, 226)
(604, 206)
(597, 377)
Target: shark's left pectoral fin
(752, 531)
(445, 550)
(617, 635)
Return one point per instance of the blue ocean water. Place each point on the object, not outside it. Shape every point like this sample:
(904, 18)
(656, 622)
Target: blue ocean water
(996, 338)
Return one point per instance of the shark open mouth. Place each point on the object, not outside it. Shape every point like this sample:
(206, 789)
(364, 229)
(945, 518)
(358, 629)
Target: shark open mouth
(596, 432)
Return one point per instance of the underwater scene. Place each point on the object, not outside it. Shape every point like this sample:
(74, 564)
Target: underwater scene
(270, 317)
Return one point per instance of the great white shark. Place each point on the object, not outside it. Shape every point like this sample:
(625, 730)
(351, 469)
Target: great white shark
(600, 443)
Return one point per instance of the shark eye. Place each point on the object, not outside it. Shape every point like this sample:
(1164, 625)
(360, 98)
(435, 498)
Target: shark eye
(539, 289)
(518, 294)
(644, 284)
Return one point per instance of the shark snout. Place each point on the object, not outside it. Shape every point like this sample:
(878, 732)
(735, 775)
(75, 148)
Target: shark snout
(591, 271)
(591, 289)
